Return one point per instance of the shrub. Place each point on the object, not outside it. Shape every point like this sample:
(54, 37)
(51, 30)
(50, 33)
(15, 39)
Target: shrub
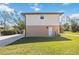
(9, 32)
(16, 31)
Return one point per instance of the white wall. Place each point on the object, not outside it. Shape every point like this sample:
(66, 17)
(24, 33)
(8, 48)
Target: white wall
(49, 19)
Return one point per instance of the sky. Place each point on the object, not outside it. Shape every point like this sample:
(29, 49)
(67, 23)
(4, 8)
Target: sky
(67, 8)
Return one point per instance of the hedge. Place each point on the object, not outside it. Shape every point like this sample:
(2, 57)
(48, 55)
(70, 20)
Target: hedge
(9, 32)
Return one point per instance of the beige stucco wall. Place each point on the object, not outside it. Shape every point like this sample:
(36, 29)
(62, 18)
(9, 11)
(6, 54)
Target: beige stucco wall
(36, 31)
(38, 27)
(32, 31)
(49, 19)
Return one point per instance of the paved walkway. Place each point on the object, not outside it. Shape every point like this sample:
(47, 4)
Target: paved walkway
(5, 40)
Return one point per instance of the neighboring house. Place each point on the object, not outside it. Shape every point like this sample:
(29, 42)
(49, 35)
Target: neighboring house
(42, 24)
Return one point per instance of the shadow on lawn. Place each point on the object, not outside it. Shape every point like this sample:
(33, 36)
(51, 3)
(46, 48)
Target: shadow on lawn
(39, 39)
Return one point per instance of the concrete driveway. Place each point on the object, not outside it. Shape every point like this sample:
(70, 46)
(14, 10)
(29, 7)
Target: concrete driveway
(5, 40)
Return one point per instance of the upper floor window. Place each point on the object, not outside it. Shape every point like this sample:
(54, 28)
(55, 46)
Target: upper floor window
(42, 17)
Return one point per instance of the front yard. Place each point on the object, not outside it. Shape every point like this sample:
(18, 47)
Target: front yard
(64, 45)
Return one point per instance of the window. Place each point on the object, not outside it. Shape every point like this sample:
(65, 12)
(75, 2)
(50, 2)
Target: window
(42, 17)
(47, 27)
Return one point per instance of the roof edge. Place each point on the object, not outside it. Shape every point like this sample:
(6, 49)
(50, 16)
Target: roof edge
(45, 13)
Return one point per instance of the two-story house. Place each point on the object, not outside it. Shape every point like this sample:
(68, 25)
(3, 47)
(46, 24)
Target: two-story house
(42, 24)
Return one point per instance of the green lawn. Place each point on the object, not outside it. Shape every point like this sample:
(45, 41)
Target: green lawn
(67, 32)
(64, 45)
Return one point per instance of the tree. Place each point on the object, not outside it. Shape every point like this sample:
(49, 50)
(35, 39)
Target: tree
(66, 27)
(9, 18)
(8, 15)
(74, 25)
(19, 28)
(21, 25)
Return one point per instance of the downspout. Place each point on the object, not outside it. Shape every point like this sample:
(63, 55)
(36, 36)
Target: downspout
(25, 24)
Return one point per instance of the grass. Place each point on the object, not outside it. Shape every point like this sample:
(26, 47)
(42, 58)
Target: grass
(60, 45)
(68, 32)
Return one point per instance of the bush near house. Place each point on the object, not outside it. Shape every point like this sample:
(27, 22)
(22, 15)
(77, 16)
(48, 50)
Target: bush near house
(8, 32)
(20, 27)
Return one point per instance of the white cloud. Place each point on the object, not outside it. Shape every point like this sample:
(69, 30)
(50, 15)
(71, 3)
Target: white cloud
(74, 16)
(35, 7)
(4, 7)
(65, 3)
